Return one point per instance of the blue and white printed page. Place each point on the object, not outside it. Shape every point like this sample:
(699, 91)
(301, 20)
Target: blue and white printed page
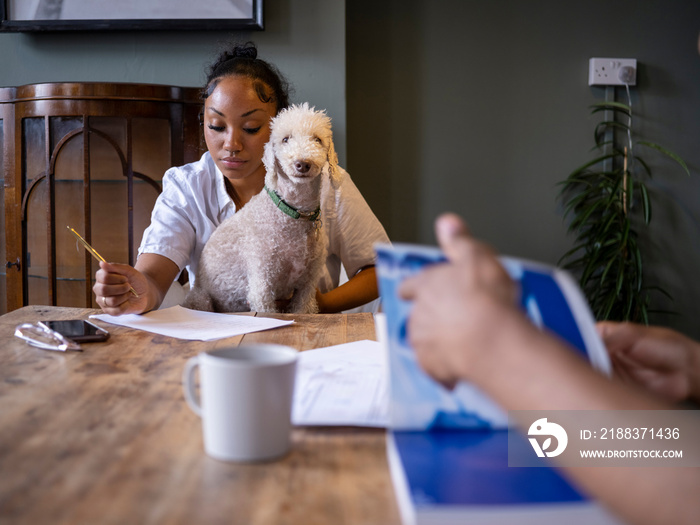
(548, 295)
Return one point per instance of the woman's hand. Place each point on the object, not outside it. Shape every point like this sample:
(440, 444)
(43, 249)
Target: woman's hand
(113, 284)
(659, 359)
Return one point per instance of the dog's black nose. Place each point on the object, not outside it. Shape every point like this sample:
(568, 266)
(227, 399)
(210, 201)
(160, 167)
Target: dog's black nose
(302, 166)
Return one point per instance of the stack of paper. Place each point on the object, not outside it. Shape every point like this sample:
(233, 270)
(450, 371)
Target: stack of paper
(183, 323)
(342, 385)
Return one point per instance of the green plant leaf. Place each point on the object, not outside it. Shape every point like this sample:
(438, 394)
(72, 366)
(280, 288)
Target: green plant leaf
(629, 191)
(637, 257)
(586, 213)
(620, 280)
(610, 301)
(605, 126)
(625, 231)
(643, 164)
(604, 275)
(646, 203)
(645, 316)
(611, 106)
(593, 163)
(599, 207)
(666, 152)
(590, 269)
(569, 253)
(629, 308)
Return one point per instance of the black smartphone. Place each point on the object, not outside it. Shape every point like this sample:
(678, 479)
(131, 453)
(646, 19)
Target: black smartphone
(78, 330)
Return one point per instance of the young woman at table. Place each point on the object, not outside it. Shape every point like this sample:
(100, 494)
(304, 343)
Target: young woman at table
(241, 95)
(465, 325)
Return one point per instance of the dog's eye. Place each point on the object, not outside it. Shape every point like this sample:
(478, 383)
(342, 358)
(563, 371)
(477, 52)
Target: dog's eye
(285, 139)
(317, 139)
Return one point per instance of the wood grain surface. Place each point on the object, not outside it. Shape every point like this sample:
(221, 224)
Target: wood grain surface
(105, 436)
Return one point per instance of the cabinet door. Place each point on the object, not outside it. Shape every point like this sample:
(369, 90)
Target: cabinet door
(91, 157)
(98, 175)
(7, 265)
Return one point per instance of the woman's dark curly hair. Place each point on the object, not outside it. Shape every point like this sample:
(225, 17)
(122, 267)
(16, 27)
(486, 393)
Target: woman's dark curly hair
(242, 59)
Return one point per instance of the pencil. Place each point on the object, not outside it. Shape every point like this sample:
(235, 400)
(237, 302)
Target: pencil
(94, 253)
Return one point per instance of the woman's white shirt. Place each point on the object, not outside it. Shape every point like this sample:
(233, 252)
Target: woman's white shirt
(194, 202)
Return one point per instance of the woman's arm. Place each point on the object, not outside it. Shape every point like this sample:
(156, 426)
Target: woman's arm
(353, 230)
(359, 290)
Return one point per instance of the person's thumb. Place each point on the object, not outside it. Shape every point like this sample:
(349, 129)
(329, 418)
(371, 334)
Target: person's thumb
(453, 236)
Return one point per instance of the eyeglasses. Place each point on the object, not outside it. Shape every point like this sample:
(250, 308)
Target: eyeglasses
(45, 338)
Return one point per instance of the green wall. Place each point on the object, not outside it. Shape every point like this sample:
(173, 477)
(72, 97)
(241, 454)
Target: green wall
(314, 61)
(464, 105)
(482, 107)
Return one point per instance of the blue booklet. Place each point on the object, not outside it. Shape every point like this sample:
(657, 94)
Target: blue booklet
(462, 476)
(448, 450)
(549, 296)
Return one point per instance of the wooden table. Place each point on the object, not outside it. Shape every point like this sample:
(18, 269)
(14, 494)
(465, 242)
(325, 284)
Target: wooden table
(105, 436)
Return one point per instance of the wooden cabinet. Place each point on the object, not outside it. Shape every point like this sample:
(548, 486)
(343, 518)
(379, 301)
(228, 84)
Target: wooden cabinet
(90, 156)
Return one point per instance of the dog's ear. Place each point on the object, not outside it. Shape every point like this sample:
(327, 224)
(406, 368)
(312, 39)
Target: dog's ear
(333, 171)
(269, 161)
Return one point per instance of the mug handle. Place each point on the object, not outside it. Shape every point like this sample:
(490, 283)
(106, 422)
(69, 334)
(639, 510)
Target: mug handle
(188, 385)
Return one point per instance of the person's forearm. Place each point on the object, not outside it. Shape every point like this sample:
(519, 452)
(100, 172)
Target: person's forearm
(160, 272)
(154, 296)
(359, 290)
(543, 374)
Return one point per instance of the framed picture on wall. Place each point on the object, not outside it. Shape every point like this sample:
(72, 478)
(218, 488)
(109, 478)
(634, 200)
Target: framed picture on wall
(106, 15)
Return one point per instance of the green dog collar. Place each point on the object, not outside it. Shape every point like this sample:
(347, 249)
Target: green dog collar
(291, 210)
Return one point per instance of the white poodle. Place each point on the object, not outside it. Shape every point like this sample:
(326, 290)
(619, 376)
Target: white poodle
(273, 248)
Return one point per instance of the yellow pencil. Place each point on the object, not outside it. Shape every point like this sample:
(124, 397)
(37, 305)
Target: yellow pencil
(93, 252)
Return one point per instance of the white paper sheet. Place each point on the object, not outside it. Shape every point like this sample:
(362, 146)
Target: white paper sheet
(342, 385)
(192, 324)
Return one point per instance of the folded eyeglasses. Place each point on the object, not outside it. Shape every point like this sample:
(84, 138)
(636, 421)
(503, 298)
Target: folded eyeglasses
(42, 336)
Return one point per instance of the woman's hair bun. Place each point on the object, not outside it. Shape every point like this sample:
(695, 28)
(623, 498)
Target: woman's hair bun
(242, 59)
(247, 50)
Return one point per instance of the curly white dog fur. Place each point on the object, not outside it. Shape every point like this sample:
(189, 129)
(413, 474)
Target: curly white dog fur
(273, 248)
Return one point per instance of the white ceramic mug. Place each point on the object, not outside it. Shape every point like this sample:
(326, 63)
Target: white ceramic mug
(246, 400)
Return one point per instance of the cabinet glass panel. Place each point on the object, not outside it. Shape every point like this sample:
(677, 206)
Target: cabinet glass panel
(108, 151)
(145, 197)
(67, 141)
(33, 148)
(37, 242)
(36, 208)
(67, 147)
(152, 150)
(104, 196)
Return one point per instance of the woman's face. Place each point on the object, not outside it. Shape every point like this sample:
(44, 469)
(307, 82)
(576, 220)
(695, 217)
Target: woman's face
(236, 128)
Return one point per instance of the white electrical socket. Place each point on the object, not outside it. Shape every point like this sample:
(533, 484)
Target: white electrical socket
(612, 71)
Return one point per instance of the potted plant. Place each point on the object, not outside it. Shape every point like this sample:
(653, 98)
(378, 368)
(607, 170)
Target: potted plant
(606, 200)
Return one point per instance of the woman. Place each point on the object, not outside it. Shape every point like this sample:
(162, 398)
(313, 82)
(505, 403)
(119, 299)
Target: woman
(241, 95)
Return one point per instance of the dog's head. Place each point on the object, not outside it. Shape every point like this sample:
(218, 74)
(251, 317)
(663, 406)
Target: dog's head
(300, 146)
